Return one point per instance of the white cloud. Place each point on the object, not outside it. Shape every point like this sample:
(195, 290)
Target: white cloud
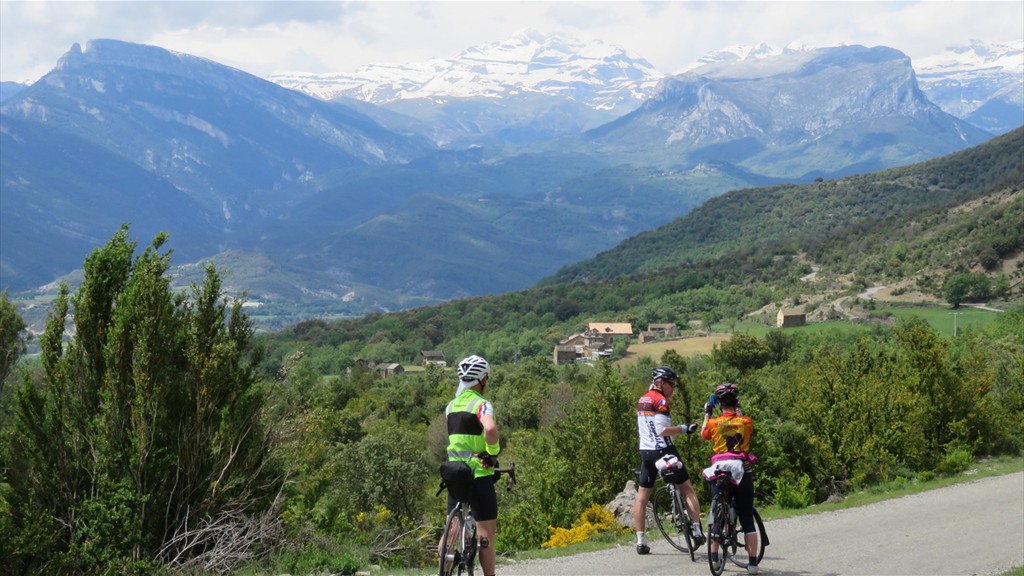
(270, 37)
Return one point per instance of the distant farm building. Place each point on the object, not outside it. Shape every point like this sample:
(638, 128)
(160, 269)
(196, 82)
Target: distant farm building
(588, 345)
(565, 354)
(790, 318)
(659, 332)
(386, 369)
(611, 331)
(433, 357)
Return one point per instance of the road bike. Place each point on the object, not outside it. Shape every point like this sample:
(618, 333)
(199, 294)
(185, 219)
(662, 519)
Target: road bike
(668, 510)
(673, 519)
(722, 515)
(459, 543)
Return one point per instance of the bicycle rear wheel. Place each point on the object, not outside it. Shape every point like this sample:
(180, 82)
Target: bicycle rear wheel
(762, 541)
(718, 516)
(451, 543)
(673, 527)
(762, 536)
(470, 549)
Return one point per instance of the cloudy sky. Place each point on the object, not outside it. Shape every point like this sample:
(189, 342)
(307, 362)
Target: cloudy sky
(265, 38)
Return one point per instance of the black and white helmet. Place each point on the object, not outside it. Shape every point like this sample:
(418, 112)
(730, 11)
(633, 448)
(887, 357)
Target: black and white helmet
(664, 373)
(473, 368)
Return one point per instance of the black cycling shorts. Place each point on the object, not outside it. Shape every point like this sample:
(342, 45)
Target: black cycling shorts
(649, 472)
(483, 502)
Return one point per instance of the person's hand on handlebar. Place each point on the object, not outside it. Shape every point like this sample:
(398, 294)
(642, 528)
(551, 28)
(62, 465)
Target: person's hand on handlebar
(488, 460)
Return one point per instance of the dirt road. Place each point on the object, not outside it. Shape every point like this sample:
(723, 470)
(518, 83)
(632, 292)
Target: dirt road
(976, 528)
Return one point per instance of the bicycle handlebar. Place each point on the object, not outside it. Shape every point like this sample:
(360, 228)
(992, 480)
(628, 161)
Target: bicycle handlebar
(511, 471)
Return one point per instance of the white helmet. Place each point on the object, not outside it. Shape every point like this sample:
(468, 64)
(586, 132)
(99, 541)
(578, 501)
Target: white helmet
(473, 368)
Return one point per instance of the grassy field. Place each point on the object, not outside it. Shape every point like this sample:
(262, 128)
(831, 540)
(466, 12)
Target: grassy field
(942, 318)
(683, 347)
(945, 320)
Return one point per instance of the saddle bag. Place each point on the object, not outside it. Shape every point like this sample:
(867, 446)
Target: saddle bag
(457, 477)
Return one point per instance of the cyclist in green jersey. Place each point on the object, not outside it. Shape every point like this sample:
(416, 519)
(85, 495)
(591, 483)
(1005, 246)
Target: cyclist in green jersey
(473, 439)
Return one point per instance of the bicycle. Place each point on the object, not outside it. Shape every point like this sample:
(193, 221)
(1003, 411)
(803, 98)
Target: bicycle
(722, 514)
(459, 542)
(673, 518)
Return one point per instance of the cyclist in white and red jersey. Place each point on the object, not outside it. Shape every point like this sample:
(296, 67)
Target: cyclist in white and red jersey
(654, 424)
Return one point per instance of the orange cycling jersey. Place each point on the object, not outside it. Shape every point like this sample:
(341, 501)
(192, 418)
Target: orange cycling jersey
(730, 432)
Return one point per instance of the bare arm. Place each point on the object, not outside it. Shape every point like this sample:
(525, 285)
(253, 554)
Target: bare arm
(490, 429)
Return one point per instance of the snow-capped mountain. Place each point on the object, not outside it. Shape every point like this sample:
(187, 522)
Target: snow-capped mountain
(826, 111)
(741, 52)
(979, 82)
(982, 83)
(601, 76)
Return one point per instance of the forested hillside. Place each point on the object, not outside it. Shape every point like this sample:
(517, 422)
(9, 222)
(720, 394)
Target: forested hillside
(787, 218)
(164, 434)
(923, 223)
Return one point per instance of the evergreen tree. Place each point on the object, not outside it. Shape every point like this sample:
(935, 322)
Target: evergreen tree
(12, 340)
(143, 443)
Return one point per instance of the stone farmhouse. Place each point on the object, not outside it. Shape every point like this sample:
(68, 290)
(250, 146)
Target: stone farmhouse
(593, 344)
(611, 331)
(659, 332)
(790, 318)
(389, 369)
(433, 357)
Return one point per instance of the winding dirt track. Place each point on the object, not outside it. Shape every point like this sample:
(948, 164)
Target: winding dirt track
(975, 528)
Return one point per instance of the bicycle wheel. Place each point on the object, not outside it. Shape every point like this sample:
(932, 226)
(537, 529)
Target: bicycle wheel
(470, 554)
(451, 542)
(718, 516)
(682, 517)
(762, 541)
(667, 518)
(762, 536)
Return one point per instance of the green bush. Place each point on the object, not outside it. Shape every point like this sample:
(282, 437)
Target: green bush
(793, 491)
(320, 556)
(957, 460)
(522, 527)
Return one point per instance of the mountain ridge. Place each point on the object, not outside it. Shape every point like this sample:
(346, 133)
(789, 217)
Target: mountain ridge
(335, 202)
(990, 73)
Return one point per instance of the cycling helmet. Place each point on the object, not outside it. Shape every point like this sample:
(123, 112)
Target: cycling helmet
(473, 368)
(664, 373)
(728, 394)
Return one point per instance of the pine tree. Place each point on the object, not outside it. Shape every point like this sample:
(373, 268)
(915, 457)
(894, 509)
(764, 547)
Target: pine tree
(146, 426)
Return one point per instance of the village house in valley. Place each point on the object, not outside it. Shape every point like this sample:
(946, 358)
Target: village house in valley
(433, 357)
(659, 332)
(611, 331)
(595, 343)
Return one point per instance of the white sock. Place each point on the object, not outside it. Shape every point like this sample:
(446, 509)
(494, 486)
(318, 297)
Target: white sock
(641, 538)
(696, 529)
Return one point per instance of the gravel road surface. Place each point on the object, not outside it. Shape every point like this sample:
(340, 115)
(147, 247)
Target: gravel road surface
(975, 528)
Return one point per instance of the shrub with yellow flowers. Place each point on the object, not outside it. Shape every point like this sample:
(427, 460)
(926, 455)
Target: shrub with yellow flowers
(592, 521)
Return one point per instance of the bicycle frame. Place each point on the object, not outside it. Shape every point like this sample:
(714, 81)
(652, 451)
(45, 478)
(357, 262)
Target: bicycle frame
(680, 517)
(459, 541)
(723, 514)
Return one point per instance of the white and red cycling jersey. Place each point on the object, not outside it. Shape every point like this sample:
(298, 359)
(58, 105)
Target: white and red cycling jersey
(652, 416)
